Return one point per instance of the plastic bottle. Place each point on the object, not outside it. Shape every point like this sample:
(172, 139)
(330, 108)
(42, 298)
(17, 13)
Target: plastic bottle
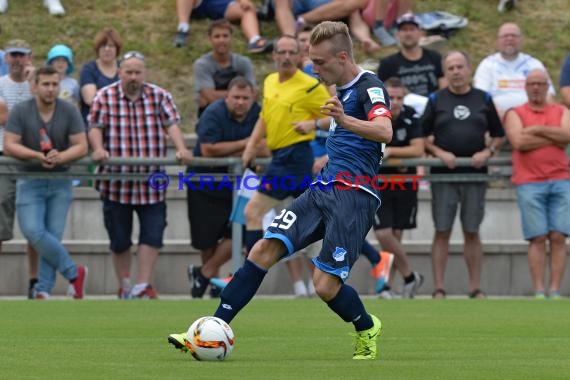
(45, 142)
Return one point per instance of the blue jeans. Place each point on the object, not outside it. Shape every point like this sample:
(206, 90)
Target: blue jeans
(42, 206)
(544, 207)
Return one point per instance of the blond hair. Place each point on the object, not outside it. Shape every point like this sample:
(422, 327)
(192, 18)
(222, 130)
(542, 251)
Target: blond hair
(336, 32)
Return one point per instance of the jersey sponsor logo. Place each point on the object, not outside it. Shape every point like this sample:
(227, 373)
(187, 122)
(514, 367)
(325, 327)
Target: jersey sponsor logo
(461, 112)
(376, 95)
(339, 254)
(401, 134)
(379, 110)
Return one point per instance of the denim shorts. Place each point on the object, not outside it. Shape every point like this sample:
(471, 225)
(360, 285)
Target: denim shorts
(119, 224)
(544, 207)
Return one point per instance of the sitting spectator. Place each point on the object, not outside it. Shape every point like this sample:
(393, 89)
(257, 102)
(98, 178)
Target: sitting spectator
(54, 7)
(456, 121)
(61, 58)
(242, 12)
(223, 131)
(503, 74)
(565, 82)
(418, 68)
(103, 70)
(382, 14)
(539, 132)
(214, 70)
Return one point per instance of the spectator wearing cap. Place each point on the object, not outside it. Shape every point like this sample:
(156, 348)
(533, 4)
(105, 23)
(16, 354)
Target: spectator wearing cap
(503, 73)
(131, 118)
(61, 58)
(418, 68)
(54, 7)
(14, 88)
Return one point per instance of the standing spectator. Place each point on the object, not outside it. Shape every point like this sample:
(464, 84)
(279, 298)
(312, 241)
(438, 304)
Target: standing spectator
(243, 12)
(418, 68)
(131, 118)
(14, 88)
(61, 58)
(214, 70)
(456, 120)
(361, 125)
(503, 74)
(539, 132)
(103, 70)
(54, 7)
(399, 205)
(223, 131)
(565, 82)
(50, 131)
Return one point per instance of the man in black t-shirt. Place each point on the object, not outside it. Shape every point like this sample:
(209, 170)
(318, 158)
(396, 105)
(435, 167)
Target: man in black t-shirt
(418, 68)
(455, 122)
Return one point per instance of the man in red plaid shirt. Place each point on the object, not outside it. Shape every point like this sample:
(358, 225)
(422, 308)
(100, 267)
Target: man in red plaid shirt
(131, 118)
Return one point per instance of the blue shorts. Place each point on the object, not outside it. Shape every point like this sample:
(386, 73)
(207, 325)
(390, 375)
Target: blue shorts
(289, 173)
(303, 6)
(544, 207)
(118, 219)
(212, 9)
(342, 218)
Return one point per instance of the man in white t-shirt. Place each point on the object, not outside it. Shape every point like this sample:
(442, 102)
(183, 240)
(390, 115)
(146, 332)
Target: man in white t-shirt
(503, 74)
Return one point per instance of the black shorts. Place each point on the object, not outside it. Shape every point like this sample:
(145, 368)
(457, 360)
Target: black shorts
(289, 173)
(398, 210)
(209, 212)
(342, 218)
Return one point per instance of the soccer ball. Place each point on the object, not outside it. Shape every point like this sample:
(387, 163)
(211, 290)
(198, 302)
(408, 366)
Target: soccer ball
(210, 338)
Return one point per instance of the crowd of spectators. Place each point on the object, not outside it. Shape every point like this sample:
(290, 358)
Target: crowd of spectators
(439, 108)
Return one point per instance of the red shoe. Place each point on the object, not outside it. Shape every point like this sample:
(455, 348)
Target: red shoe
(381, 271)
(77, 288)
(148, 292)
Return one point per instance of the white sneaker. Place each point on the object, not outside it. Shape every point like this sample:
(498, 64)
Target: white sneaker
(386, 294)
(505, 5)
(410, 289)
(54, 7)
(3, 6)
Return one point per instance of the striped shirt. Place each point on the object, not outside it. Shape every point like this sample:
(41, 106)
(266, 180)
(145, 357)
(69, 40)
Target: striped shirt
(132, 129)
(11, 93)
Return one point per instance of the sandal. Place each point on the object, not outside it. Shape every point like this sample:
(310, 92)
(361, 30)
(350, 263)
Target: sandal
(439, 293)
(477, 293)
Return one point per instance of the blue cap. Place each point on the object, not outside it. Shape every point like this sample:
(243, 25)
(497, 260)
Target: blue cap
(62, 51)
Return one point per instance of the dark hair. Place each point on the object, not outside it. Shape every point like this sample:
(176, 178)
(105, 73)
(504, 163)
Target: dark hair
(221, 23)
(283, 36)
(44, 70)
(394, 82)
(305, 28)
(240, 82)
(105, 36)
(464, 54)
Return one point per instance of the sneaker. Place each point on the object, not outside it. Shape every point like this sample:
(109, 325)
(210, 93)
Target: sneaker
(198, 282)
(124, 293)
(147, 293)
(385, 38)
(31, 290)
(262, 45)
(410, 289)
(77, 288)
(215, 291)
(386, 294)
(41, 296)
(181, 39)
(221, 282)
(365, 345)
(381, 271)
(505, 5)
(54, 7)
(539, 295)
(554, 295)
(178, 341)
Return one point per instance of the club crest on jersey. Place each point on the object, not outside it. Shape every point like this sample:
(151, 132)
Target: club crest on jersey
(376, 95)
(401, 134)
(339, 254)
(461, 112)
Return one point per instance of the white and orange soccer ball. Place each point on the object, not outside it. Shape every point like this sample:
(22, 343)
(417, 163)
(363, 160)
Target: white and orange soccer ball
(210, 339)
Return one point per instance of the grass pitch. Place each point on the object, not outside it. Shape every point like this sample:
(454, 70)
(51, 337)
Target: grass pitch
(287, 339)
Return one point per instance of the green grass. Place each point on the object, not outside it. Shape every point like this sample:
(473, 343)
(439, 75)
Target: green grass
(287, 339)
(149, 26)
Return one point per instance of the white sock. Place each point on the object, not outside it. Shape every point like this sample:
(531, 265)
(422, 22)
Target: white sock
(183, 27)
(139, 288)
(300, 289)
(254, 39)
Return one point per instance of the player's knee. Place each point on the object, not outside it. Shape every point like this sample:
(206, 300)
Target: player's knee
(266, 252)
(327, 287)
(252, 213)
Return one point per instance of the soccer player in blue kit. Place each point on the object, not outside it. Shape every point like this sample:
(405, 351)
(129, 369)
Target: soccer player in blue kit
(361, 125)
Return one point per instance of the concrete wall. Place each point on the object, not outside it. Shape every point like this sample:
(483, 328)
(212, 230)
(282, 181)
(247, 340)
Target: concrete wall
(505, 269)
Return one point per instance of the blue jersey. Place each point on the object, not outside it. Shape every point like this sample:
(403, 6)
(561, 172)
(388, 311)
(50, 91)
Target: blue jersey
(351, 155)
